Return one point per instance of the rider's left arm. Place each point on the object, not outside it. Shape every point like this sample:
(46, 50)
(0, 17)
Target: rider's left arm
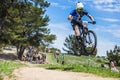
(91, 18)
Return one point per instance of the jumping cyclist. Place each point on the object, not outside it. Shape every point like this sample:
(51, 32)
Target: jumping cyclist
(75, 18)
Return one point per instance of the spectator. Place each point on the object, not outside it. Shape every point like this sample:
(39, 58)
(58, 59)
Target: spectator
(113, 67)
(56, 55)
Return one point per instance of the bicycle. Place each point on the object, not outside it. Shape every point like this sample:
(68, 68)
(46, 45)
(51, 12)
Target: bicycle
(87, 39)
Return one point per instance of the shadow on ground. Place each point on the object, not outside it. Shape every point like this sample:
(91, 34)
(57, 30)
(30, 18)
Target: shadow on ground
(8, 56)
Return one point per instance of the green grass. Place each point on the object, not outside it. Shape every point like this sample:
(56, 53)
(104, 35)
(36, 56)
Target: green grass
(7, 67)
(81, 64)
(1, 78)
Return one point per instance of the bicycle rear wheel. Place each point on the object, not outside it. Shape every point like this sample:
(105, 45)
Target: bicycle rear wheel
(90, 42)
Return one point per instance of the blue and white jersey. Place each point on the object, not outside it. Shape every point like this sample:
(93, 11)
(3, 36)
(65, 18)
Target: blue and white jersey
(77, 16)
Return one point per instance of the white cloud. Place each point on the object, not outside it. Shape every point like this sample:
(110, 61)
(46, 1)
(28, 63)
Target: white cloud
(114, 32)
(110, 19)
(60, 26)
(61, 30)
(113, 29)
(59, 42)
(107, 5)
(71, 1)
(107, 42)
(103, 1)
(104, 45)
(55, 4)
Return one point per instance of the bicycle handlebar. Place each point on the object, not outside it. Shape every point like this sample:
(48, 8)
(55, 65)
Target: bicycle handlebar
(92, 22)
(84, 21)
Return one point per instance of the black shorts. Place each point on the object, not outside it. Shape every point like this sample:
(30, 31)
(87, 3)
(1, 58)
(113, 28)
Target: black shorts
(75, 23)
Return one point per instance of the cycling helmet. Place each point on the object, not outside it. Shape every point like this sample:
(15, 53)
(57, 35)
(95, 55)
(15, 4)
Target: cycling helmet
(79, 6)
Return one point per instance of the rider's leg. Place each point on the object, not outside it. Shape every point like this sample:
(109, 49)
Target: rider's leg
(76, 31)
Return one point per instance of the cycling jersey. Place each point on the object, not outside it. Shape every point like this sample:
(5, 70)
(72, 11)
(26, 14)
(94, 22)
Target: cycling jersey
(77, 16)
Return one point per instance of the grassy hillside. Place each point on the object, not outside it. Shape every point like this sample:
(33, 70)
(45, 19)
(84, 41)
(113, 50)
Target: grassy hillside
(83, 60)
(72, 63)
(81, 64)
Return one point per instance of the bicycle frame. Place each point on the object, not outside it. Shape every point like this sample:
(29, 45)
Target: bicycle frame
(85, 38)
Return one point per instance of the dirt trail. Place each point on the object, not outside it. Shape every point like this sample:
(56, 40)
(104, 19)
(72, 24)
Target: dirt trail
(34, 73)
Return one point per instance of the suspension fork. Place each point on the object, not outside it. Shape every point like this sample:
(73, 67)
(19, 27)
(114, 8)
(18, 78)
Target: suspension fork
(89, 38)
(86, 33)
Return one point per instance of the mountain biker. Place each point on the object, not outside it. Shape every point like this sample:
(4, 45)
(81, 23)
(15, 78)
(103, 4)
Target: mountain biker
(75, 18)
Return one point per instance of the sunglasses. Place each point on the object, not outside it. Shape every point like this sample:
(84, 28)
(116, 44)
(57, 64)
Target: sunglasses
(79, 9)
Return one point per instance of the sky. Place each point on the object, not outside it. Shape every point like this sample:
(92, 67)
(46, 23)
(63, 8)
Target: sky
(106, 13)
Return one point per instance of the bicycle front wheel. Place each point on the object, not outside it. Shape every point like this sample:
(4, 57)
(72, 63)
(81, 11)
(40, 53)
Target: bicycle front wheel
(90, 42)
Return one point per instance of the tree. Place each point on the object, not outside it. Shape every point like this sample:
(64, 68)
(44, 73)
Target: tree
(70, 45)
(26, 24)
(114, 54)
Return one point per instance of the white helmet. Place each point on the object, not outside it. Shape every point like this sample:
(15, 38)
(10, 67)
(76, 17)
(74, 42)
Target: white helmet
(79, 5)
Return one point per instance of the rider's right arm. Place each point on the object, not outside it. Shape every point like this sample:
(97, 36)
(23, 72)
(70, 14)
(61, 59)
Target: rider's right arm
(70, 17)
